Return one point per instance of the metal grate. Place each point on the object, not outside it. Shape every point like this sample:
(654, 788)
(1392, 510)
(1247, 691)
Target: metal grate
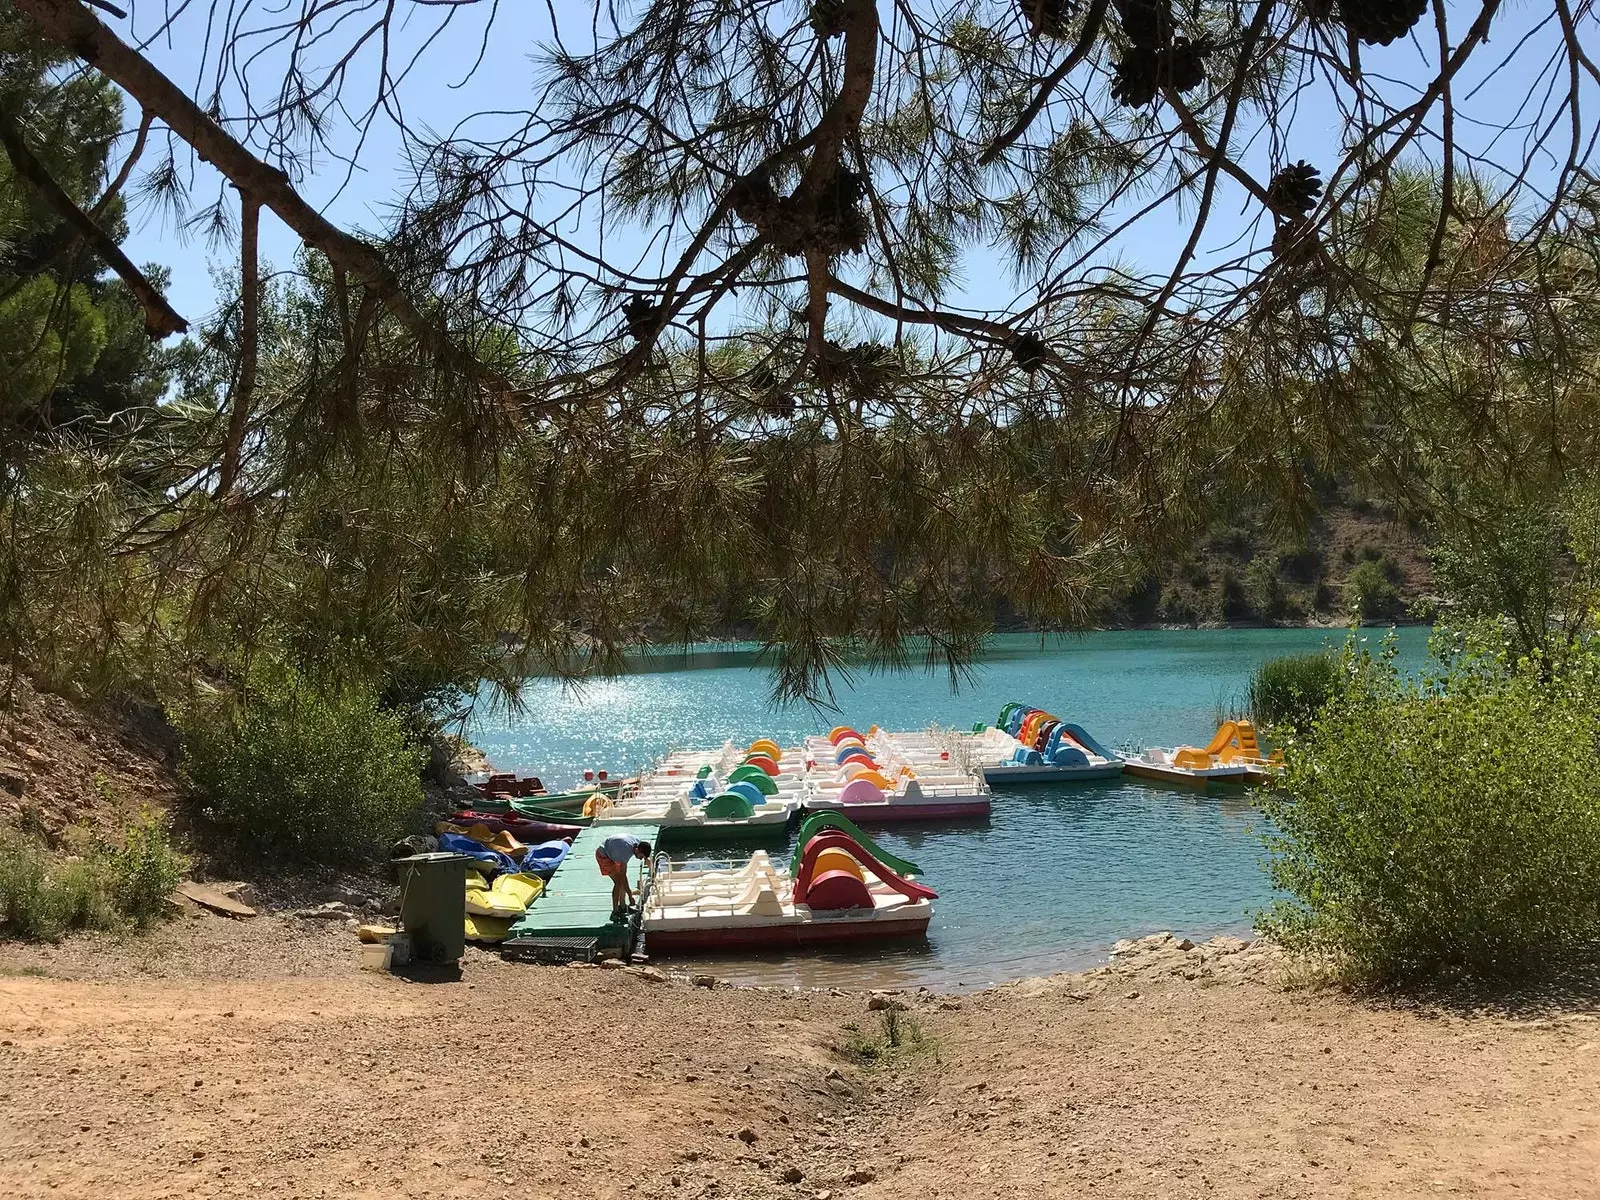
(551, 949)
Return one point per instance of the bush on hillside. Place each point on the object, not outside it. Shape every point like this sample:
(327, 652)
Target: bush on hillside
(1228, 601)
(1176, 608)
(1223, 538)
(1264, 589)
(1370, 590)
(1445, 825)
(109, 888)
(1302, 564)
(145, 869)
(1290, 690)
(303, 773)
(30, 908)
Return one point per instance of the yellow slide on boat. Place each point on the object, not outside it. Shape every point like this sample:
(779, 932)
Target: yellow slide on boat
(1235, 742)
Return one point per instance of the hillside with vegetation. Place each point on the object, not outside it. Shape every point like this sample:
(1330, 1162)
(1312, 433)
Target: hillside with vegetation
(1352, 559)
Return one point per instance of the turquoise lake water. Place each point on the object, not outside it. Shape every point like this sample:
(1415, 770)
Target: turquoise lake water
(1058, 873)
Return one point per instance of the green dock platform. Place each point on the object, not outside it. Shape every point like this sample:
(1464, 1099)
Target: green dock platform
(575, 907)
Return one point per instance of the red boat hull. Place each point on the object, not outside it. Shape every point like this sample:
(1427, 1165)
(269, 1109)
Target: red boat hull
(884, 814)
(522, 828)
(778, 936)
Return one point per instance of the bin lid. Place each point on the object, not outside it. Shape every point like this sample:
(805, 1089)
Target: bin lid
(435, 858)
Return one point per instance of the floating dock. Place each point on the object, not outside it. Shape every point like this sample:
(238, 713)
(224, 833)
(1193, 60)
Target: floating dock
(572, 919)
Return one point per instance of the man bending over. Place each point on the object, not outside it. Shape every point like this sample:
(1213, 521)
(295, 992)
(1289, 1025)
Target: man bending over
(613, 856)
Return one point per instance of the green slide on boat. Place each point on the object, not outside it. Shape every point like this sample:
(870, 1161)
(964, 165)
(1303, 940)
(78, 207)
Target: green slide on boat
(817, 822)
(759, 778)
(728, 806)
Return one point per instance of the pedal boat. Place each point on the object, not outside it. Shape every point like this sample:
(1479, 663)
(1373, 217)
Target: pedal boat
(839, 893)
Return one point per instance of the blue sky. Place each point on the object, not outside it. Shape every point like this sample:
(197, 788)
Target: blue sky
(445, 91)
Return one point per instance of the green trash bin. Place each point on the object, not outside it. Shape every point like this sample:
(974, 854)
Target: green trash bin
(433, 904)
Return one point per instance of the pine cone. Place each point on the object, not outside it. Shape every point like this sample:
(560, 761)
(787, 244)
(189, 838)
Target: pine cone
(1029, 351)
(841, 227)
(1182, 64)
(1048, 18)
(767, 395)
(1148, 23)
(640, 315)
(1137, 78)
(1295, 246)
(1379, 22)
(827, 18)
(751, 198)
(1295, 190)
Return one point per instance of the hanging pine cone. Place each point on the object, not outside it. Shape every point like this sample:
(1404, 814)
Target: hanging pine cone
(1296, 246)
(1048, 18)
(640, 315)
(1379, 22)
(1029, 351)
(768, 395)
(1182, 64)
(1295, 190)
(1148, 23)
(751, 198)
(827, 18)
(840, 225)
(1136, 79)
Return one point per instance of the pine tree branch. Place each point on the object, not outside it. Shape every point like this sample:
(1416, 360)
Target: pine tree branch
(843, 118)
(71, 25)
(1086, 39)
(841, 122)
(121, 181)
(1208, 152)
(249, 343)
(160, 319)
(959, 324)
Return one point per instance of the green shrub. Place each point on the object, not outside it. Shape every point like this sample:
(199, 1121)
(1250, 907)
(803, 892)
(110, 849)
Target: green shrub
(1290, 690)
(1264, 589)
(29, 907)
(1176, 607)
(145, 869)
(41, 899)
(1370, 590)
(85, 896)
(1228, 600)
(1451, 824)
(898, 1036)
(1222, 538)
(303, 773)
(1300, 563)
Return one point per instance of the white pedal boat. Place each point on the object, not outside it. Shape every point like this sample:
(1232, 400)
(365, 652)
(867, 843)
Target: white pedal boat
(752, 905)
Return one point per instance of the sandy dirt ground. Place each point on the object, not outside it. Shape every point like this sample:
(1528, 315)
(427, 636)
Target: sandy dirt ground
(255, 1059)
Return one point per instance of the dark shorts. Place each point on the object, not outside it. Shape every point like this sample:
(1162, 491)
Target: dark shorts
(610, 867)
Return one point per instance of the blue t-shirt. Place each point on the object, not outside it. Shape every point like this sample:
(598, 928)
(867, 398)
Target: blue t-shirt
(619, 847)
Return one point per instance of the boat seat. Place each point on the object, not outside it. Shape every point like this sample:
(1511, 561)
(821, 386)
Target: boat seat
(766, 904)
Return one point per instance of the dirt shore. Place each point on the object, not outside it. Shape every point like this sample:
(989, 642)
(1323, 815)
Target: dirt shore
(255, 1058)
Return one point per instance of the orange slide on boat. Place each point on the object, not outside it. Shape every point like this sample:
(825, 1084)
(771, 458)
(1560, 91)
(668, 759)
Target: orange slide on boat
(821, 867)
(1235, 742)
